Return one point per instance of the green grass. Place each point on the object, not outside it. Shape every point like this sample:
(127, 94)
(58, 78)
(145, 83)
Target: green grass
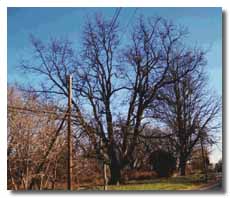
(191, 182)
(156, 186)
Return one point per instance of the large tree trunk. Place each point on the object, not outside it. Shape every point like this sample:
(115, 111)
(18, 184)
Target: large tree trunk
(182, 165)
(115, 167)
(115, 172)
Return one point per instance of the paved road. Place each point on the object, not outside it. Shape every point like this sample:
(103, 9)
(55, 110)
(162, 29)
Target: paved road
(214, 187)
(217, 187)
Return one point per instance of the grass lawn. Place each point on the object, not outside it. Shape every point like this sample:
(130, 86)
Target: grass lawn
(192, 182)
(156, 186)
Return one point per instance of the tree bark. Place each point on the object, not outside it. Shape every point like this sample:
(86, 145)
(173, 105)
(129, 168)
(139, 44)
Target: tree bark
(115, 167)
(115, 172)
(182, 166)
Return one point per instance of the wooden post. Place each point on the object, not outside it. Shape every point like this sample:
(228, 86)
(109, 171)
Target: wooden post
(69, 139)
(105, 176)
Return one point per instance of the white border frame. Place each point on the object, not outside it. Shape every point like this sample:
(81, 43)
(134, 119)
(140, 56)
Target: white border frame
(95, 3)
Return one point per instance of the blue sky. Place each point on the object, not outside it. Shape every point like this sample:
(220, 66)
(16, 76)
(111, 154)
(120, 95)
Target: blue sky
(204, 25)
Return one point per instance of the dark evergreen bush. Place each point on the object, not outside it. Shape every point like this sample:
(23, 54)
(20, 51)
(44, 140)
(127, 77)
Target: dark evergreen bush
(163, 162)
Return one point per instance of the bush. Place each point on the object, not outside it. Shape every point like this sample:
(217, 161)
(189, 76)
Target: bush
(139, 175)
(218, 166)
(163, 162)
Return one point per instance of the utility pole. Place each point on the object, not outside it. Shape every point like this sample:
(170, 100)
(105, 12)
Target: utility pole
(69, 139)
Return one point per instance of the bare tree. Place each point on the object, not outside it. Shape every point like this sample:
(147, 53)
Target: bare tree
(34, 142)
(187, 108)
(110, 84)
